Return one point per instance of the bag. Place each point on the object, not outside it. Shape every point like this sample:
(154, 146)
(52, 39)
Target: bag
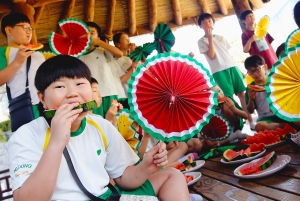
(20, 108)
(114, 197)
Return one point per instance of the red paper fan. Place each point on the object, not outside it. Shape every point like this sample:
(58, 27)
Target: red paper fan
(217, 129)
(77, 41)
(169, 96)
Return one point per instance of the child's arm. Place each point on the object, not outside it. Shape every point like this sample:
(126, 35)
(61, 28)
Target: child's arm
(124, 78)
(211, 49)
(41, 183)
(14, 66)
(116, 52)
(144, 144)
(135, 176)
(230, 105)
(252, 96)
(247, 46)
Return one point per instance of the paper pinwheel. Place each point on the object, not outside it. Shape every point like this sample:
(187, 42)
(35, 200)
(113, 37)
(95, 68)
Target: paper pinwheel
(293, 39)
(163, 38)
(262, 26)
(141, 52)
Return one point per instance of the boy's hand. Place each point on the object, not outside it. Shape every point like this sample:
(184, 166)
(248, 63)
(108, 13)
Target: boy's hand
(132, 47)
(251, 94)
(208, 33)
(229, 104)
(253, 38)
(22, 54)
(61, 123)
(111, 112)
(155, 158)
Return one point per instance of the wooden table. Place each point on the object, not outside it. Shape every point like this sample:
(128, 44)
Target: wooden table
(219, 183)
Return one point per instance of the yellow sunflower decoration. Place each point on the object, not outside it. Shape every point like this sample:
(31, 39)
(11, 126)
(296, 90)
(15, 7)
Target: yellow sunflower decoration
(262, 26)
(47, 54)
(124, 122)
(293, 39)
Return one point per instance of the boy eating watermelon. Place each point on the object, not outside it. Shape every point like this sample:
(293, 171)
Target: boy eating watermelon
(38, 168)
(13, 65)
(256, 68)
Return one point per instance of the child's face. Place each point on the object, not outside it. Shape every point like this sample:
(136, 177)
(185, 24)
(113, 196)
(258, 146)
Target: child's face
(207, 24)
(93, 32)
(20, 34)
(124, 43)
(257, 73)
(96, 94)
(66, 91)
(250, 19)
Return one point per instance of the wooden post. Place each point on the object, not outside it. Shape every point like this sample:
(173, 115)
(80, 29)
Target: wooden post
(90, 10)
(152, 14)
(177, 11)
(239, 7)
(132, 17)
(204, 6)
(222, 7)
(110, 19)
(37, 3)
(38, 13)
(27, 10)
(5, 7)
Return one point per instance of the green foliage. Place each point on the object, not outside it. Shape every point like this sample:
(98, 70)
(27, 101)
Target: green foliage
(5, 125)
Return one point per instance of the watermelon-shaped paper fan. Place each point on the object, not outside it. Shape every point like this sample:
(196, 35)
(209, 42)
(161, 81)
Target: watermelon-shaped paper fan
(217, 129)
(77, 40)
(293, 39)
(47, 54)
(262, 26)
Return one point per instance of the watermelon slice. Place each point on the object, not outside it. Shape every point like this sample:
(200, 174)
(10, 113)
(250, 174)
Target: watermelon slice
(256, 88)
(77, 41)
(222, 100)
(261, 164)
(33, 47)
(85, 107)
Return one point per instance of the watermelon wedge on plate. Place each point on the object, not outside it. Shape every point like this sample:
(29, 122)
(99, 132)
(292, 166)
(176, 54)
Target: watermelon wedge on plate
(77, 40)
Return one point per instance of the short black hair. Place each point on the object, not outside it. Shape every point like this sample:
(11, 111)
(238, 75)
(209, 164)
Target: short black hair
(93, 80)
(58, 67)
(245, 13)
(12, 19)
(297, 13)
(117, 37)
(94, 25)
(204, 16)
(254, 61)
(279, 49)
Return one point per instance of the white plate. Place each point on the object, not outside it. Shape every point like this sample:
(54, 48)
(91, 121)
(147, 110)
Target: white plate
(196, 175)
(280, 162)
(244, 159)
(199, 164)
(276, 144)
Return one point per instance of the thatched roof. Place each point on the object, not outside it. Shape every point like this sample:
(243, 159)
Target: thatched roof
(133, 16)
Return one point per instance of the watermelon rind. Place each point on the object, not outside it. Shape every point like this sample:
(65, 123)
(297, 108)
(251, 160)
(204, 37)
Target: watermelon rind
(230, 155)
(262, 164)
(85, 107)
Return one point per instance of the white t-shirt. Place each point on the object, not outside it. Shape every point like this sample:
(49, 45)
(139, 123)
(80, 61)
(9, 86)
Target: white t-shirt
(93, 164)
(17, 83)
(124, 62)
(100, 70)
(117, 73)
(223, 59)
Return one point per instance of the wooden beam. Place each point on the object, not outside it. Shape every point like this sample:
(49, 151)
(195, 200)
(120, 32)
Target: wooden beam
(256, 4)
(67, 12)
(204, 6)
(5, 7)
(177, 11)
(37, 3)
(110, 19)
(152, 14)
(222, 7)
(27, 10)
(131, 17)
(239, 7)
(38, 14)
(90, 10)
